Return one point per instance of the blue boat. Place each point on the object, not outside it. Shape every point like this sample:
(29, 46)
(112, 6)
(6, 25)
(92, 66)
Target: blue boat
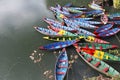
(94, 13)
(47, 32)
(81, 24)
(81, 19)
(58, 45)
(62, 27)
(51, 21)
(114, 16)
(76, 27)
(109, 32)
(61, 65)
(103, 28)
(116, 22)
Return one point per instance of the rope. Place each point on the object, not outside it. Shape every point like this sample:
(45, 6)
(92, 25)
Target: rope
(117, 38)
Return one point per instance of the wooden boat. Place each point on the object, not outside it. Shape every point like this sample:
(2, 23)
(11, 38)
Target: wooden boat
(85, 24)
(109, 32)
(98, 65)
(96, 46)
(78, 8)
(85, 32)
(55, 25)
(81, 19)
(74, 10)
(57, 10)
(58, 45)
(61, 65)
(94, 13)
(85, 20)
(51, 21)
(114, 16)
(100, 54)
(63, 38)
(59, 17)
(66, 33)
(76, 27)
(103, 28)
(92, 22)
(95, 6)
(104, 19)
(95, 40)
(47, 32)
(116, 22)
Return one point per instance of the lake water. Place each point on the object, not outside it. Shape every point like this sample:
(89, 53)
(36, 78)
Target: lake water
(18, 40)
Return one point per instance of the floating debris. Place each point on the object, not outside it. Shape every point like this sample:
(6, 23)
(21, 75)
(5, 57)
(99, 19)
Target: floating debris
(36, 57)
(35, 51)
(76, 56)
(31, 57)
(50, 77)
(48, 74)
(54, 52)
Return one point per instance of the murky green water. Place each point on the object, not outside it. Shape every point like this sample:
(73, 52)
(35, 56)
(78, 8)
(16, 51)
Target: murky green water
(18, 39)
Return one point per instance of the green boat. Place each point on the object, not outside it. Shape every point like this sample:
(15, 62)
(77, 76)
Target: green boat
(62, 38)
(74, 10)
(97, 46)
(66, 33)
(98, 65)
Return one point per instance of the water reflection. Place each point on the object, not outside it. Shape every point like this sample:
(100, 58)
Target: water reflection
(19, 13)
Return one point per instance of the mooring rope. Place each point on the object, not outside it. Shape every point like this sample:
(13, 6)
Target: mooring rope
(117, 38)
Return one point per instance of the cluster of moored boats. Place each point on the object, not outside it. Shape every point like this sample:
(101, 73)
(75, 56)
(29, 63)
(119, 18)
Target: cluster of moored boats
(82, 27)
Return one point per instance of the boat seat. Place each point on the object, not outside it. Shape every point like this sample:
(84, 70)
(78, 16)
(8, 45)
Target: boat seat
(106, 69)
(89, 59)
(97, 64)
(60, 72)
(101, 47)
(63, 60)
(62, 66)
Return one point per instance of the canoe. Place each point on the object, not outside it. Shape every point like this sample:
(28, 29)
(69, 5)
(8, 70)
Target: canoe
(78, 8)
(51, 21)
(86, 24)
(66, 33)
(55, 25)
(116, 22)
(114, 16)
(109, 32)
(63, 38)
(97, 46)
(61, 65)
(57, 10)
(85, 20)
(98, 64)
(81, 19)
(92, 22)
(59, 17)
(74, 10)
(95, 40)
(94, 13)
(58, 29)
(100, 54)
(95, 6)
(85, 32)
(70, 23)
(47, 32)
(58, 45)
(76, 27)
(103, 28)
(104, 19)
